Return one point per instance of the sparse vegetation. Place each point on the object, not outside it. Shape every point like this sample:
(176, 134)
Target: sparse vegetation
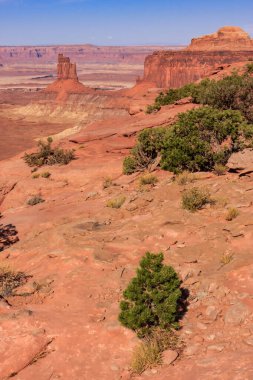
(47, 155)
(151, 300)
(220, 169)
(148, 179)
(149, 145)
(232, 213)
(8, 235)
(234, 92)
(10, 280)
(116, 202)
(46, 175)
(226, 258)
(199, 140)
(184, 178)
(35, 176)
(195, 199)
(35, 200)
(148, 353)
(107, 183)
(249, 68)
(171, 96)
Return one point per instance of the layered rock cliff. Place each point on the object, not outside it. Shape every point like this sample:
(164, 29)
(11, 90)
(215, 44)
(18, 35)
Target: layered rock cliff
(176, 68)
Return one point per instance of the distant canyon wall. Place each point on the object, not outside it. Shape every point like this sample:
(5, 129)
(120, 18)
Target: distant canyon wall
(78, 53)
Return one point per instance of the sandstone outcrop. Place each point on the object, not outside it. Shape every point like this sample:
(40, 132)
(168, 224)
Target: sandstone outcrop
(226, 38)
(67, 80)
(171, 69)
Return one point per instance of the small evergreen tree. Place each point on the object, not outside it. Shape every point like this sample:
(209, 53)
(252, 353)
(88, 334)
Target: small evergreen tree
(152, 297)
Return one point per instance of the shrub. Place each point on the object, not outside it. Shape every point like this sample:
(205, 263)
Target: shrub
(35, 200)
(117, 202)
(232, 214)
(194, 199)
(153, 108)
(149, 144)
(152, 298)
(35, 176)
(249, 68)
(148, 179)
(220, 169)
(46, 175)
(184, 178)
(199, 139)
(10, 280)
(107, 183)
(233, 92)
(48, 155)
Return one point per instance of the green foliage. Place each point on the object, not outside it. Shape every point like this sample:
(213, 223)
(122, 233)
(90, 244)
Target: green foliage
(150, 143)
(249, 68)
(199, 140)
(196, 141)
(171, 96)
(194, 199)
(233, 92)
(48, 155)
(152, 297)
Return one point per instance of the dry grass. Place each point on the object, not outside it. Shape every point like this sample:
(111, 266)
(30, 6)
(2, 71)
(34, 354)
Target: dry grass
(195, 199)
(107, 183)
(116, 202)
(148, 179)
(226, 258)
(220, 169)
(232, 214)
(148, 354)
(10, 280)
(184, 178)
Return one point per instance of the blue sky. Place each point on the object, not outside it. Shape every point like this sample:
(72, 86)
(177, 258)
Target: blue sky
(117, 22)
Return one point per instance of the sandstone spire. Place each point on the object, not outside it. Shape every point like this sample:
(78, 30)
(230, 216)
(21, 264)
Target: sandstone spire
(66, 69)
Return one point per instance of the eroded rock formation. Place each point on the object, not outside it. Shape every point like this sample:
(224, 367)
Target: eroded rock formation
(226, 38)
(66, 69)
(176, 68)
(67, 80)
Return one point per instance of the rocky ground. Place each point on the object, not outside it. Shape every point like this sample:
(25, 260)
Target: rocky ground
(81, 254)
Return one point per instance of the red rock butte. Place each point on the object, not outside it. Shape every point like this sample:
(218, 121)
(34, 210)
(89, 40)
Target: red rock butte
(226, 38)
(172, 69)
(67, 80)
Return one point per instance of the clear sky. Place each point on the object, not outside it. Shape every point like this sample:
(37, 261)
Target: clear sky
(113, 22)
